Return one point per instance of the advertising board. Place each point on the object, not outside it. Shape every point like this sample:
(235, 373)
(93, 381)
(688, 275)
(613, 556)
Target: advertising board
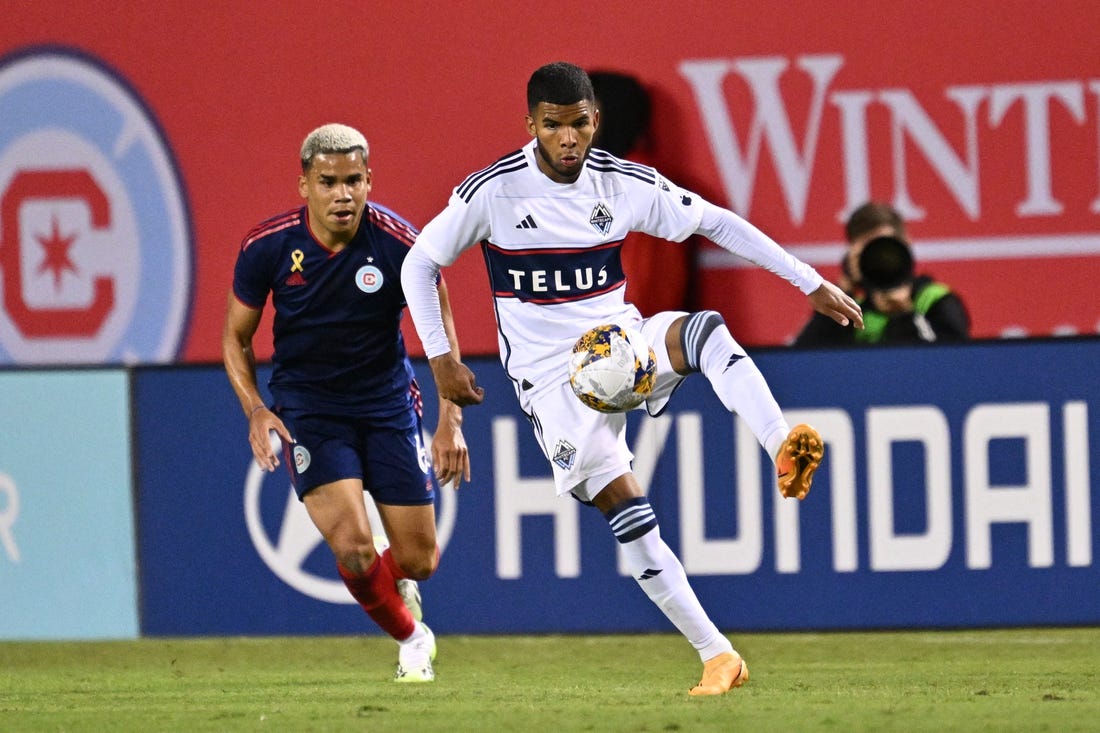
(957, 491)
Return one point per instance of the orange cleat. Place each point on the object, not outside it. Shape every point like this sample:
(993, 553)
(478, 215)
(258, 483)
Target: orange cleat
(721, 674)
(798, 458)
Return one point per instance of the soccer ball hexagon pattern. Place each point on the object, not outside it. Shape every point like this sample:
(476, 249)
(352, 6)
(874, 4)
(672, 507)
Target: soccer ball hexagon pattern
(612, 368)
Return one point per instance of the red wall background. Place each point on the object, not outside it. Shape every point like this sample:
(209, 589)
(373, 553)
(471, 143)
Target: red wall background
(439, 90)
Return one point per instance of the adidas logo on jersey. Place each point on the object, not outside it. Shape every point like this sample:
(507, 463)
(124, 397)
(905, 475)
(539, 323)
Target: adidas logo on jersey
(527, 223)
(296, 279)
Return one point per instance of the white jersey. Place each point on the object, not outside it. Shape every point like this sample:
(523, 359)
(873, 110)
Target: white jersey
(553, 249)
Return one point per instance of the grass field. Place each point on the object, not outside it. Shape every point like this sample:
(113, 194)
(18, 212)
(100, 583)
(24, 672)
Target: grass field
(1011, 680)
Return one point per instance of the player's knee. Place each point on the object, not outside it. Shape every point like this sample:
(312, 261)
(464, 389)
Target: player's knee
(419, 566)
(694, 334)
(356, 556)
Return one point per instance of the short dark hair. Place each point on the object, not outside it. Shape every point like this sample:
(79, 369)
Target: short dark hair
(559, 83)
(871, 216)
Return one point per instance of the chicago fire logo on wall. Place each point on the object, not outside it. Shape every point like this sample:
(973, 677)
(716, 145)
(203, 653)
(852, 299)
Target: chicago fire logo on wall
(95, 240)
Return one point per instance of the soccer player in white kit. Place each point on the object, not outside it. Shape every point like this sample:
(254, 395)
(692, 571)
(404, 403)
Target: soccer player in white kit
(551, 218)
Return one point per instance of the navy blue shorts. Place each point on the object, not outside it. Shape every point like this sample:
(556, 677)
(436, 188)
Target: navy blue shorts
(393, 463)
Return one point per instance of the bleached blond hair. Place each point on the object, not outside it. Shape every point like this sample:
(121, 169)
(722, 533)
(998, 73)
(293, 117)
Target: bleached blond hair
(332, 138)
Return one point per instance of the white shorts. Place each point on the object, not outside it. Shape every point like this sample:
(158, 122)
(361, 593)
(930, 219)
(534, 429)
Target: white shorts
(587, 449)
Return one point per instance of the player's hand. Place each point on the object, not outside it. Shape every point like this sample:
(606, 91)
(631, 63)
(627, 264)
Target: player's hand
(260, 424)
(455, 382)
(838, 305)
(450, 457)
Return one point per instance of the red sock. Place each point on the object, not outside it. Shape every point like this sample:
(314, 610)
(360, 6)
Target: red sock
(376, 591)
(395, 570)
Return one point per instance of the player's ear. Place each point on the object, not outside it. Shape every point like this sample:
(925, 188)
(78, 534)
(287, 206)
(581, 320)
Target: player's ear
(530, 125)
(367, 180)
(303, 186)
(595, 119)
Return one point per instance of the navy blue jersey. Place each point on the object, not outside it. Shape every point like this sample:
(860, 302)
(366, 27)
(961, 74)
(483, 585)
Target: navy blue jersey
(338, 343)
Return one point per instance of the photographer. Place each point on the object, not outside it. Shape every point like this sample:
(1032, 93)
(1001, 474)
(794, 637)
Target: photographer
(898, 306)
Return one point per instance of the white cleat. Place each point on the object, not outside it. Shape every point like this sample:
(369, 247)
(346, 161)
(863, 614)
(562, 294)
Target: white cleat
(414, 658)
(409, 590)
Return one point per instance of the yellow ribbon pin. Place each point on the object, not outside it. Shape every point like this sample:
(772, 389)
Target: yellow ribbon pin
(296, 257)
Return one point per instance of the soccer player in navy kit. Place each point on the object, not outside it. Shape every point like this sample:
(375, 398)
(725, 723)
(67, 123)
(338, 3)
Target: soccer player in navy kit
(551, 218)
(347, 408)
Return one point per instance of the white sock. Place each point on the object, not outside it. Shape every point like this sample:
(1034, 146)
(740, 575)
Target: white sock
(417, 634)
(742, 389)
(662, 577)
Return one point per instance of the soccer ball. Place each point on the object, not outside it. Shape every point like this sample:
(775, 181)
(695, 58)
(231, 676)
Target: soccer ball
(612, 368)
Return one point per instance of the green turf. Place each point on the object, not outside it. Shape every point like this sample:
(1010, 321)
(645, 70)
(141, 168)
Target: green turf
(1015, 680)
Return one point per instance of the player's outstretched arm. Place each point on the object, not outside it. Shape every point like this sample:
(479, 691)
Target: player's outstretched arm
(831, 301)
(734, 234)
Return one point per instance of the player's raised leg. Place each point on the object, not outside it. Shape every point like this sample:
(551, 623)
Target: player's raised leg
(701, 342)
